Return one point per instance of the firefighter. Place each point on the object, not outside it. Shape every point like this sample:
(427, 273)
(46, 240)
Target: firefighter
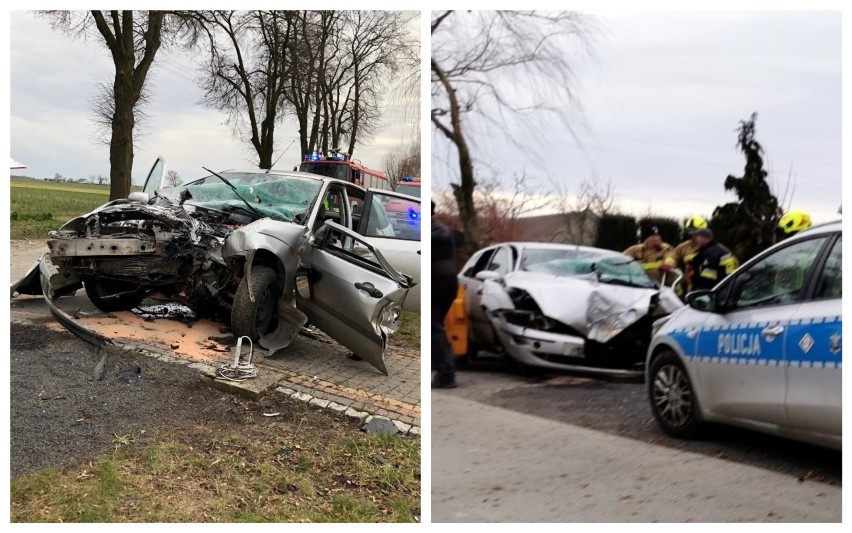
(794, 222)
(712, 261)
(655, 256)
(685, 251)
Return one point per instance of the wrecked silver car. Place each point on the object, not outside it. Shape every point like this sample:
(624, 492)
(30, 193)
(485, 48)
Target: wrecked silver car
(263, 251)
(562, 307)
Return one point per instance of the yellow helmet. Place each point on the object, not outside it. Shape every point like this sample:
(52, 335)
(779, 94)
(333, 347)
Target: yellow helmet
(795, 221)
(694, 224)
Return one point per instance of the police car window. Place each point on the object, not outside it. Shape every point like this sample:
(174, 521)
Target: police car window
(777, 279)
(830, 284)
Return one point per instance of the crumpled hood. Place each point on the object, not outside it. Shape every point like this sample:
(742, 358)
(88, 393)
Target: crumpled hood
(598, 311)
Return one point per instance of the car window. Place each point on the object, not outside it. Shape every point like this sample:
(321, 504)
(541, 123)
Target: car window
(501, 262)
(394, 217)
(331, 208)
(830, 284)
(356, 205)
(346, 247)
(479, 265)
(378, 222)
(776, 279)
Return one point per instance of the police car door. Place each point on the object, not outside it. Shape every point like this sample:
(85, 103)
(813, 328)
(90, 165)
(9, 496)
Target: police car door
(814, 352)
(740, 359)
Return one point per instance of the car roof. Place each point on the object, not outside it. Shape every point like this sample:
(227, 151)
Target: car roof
(555, 246)
(276, 172)
(828, 227)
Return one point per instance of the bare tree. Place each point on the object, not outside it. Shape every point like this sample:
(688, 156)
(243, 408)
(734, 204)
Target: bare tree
(343, 63)
(500, 212)
(471, 52)
(403, 162)
(582, 211)
(133, 39)
(246, 71)
(173, 179)
(376, 42)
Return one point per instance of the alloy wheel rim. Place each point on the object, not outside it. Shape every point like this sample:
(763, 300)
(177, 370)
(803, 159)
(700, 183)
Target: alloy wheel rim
(672, 396)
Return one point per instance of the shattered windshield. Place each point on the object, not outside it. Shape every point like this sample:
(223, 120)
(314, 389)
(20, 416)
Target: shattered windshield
(572, 262)
(279, 197)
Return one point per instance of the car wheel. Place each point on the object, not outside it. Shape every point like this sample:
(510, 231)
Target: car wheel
(259, 317)
(672, 396)
(110, 295)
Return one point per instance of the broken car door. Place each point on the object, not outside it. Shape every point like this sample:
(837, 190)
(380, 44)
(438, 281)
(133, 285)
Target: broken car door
(391, 222)
(154, 181)
(355, 297)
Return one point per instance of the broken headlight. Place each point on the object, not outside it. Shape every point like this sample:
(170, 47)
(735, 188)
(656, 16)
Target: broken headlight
(389, 319)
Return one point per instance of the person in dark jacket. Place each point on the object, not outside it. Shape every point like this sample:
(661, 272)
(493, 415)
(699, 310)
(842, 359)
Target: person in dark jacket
(444, 287)
(712, 262)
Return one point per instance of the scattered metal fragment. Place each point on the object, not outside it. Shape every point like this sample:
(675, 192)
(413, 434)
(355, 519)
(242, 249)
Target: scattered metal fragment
(99, 366)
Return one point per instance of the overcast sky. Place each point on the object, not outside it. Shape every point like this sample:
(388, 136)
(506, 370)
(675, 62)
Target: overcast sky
(662, 95)
(54, 76)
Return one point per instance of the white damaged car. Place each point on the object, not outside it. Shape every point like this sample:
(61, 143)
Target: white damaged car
(562, 307)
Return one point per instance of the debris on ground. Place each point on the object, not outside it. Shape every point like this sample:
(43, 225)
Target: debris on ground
(381, 426)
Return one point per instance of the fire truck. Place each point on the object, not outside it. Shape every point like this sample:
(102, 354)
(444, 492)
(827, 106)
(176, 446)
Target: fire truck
(339, 165)
(409, 185)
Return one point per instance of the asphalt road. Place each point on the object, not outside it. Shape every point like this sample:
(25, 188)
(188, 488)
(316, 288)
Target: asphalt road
(495, 465)
(622, 408)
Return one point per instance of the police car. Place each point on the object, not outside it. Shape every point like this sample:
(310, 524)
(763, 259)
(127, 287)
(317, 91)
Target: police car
(761, 350)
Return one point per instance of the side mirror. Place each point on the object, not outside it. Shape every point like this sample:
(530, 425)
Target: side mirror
(140, 197)
(486, 275)
(702, 301)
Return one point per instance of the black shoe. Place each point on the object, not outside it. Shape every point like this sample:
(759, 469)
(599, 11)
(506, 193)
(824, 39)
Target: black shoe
(444, 384)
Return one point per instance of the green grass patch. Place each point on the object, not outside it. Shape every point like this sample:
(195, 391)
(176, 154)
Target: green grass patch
(408, 333)
(34, 210)
(262, 474)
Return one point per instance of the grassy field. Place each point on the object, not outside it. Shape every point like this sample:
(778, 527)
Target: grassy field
(259, 474)
(37, 207)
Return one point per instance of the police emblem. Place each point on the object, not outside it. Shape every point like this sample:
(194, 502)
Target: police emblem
(834, 345)
(806, 343)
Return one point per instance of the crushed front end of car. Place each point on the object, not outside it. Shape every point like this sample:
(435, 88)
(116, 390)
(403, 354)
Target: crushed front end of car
(575, 324)
(124, 250)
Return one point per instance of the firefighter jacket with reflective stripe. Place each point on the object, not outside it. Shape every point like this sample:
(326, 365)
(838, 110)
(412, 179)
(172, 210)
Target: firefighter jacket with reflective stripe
(683, 254)
(652, 258)
(711, 264)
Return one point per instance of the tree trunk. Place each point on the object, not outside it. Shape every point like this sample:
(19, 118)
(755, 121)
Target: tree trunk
(121, 141)
(463, 191)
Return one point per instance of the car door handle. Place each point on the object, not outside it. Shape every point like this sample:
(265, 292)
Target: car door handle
(771, 333)
(370, 289)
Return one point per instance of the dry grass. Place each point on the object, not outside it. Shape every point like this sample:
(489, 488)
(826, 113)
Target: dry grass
(270, 473)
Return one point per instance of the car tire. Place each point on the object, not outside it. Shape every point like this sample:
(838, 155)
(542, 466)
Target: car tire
(673, 399)
(255, 319)
(100, 292)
